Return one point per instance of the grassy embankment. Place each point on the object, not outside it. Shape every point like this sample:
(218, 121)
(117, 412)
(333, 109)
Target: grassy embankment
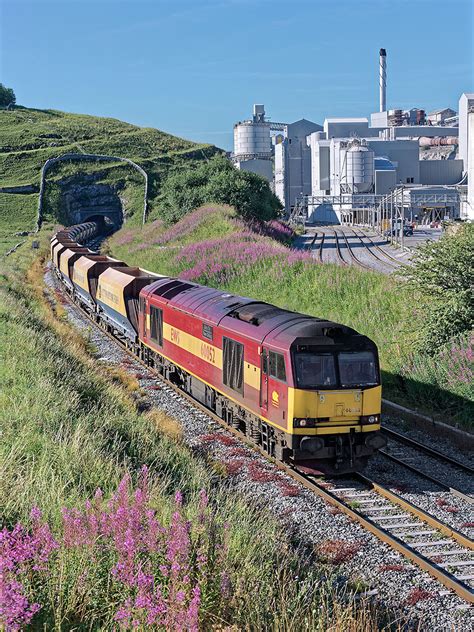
(214, 248)
(28, 137)
(70, 426)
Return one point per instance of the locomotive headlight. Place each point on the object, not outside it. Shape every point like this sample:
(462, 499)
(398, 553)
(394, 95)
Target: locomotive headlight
(304, 423)
(370, 419)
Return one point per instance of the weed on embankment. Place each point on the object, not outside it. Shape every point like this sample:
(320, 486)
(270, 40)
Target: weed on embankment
(213, 247)
(86, 541)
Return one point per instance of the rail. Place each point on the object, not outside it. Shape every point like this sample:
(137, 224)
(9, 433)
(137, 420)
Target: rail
(410, 551)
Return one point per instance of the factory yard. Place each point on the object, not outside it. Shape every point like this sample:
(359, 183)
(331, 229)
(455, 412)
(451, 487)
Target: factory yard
(361, 246)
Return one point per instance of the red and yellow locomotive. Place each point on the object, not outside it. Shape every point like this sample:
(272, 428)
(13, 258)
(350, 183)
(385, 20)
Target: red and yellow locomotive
(307, 390)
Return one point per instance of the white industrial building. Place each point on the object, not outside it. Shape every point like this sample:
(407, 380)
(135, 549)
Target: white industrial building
(468, 211)
(293, 162)
(440, 116)
(466, 102)
(352, 159)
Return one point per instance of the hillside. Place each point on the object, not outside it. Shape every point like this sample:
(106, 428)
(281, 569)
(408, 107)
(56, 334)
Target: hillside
(28, 137)
(213, 246)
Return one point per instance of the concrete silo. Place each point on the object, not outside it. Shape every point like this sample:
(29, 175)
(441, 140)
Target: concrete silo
(358, 170)
(252, 144)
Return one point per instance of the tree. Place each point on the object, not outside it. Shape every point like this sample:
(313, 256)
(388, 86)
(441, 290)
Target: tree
(443, 272)
(218, 181)
(7, 96)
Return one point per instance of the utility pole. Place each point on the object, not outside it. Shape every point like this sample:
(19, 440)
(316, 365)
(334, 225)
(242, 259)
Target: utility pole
(402, 236)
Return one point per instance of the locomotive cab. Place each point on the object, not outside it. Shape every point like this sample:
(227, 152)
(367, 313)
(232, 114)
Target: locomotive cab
(335, 404)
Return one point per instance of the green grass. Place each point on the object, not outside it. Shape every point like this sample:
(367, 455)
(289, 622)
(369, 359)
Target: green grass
(17, 214)
(29, 137)
(68, 429)
(376, 305)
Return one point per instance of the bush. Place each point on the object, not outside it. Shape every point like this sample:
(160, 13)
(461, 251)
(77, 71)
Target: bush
(7, 96)
(218, 181)
(443, 273)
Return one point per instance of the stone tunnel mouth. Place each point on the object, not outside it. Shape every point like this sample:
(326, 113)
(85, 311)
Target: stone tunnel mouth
(107, 225)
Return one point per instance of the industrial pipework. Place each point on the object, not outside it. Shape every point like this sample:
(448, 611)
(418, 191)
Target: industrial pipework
(383, 79)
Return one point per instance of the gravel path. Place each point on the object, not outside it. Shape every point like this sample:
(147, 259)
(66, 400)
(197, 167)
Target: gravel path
(367, 562)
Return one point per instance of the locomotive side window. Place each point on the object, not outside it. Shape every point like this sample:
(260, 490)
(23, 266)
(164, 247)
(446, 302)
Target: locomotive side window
(207, 331)
(156, 325)
(277, 366)
(233, 365)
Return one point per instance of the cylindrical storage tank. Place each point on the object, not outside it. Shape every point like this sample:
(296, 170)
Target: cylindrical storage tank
(252, 138)
(359, 174)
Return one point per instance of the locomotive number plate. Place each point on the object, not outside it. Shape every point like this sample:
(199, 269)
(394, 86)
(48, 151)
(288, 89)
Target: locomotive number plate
(208, 353)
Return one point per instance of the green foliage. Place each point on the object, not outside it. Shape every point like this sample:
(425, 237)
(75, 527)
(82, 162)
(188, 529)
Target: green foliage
(7, 96)
(17, 214)
(217, 181)
(67, 430)
(29, 137)
(443, 273)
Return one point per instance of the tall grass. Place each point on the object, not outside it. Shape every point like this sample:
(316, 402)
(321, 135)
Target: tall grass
(69, 430)
(212, 247)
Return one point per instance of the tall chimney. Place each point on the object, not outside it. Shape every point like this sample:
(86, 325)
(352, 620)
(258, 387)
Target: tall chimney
(383, 79)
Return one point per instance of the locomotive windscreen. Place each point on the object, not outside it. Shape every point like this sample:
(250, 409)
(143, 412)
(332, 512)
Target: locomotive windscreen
(331, 370)
(357, 368)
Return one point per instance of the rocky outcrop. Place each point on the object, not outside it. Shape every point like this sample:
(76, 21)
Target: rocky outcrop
(82, 199)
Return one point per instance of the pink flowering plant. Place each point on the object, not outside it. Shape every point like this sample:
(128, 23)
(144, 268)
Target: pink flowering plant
(157, 573)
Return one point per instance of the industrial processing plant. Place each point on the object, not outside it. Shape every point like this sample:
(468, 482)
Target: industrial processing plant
(343, 169)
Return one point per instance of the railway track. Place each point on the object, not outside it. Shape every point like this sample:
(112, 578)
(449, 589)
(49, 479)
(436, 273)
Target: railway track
(377, 248)
(410, 459)
(313, 246)
(355, 259)
(354, 502)
(340, 257)
(434, 546)
(372, 250)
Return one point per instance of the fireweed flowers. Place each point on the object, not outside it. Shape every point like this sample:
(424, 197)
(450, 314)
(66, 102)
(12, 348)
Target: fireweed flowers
(218, 261)
(160, 573)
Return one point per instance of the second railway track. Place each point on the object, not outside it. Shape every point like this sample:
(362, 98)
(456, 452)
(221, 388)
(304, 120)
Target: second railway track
(441, 469)
(434, 546)
(350, 501)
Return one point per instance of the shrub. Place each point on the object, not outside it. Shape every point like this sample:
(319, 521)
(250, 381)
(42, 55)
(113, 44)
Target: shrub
(156, 573)
(218, 181)
(443, 272)
(7, 96)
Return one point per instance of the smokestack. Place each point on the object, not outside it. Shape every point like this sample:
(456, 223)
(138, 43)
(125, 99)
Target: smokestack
(383, 79)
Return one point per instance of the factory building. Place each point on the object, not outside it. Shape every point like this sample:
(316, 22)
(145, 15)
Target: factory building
(469, 207)
(466, 102)
(353, 159)
(439, 117)
(293, 162)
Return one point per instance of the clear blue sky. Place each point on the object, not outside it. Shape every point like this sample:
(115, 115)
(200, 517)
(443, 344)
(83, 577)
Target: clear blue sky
(194, 67)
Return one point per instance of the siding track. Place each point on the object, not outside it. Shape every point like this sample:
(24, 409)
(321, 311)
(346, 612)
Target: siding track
(364, 498)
